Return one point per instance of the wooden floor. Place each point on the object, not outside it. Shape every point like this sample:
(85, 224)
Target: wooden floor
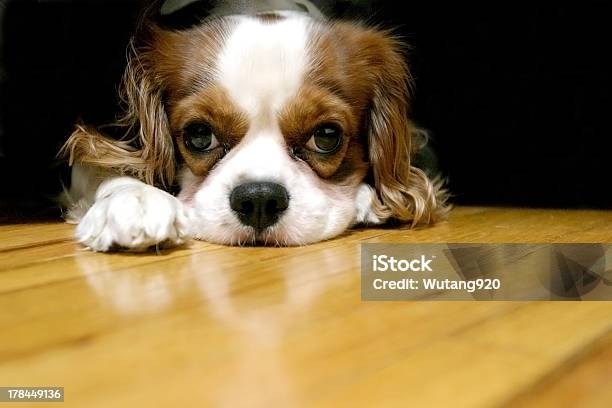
(284, 327)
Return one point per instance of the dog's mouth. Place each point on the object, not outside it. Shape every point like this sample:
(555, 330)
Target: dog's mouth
(247, 236)
(271, 236)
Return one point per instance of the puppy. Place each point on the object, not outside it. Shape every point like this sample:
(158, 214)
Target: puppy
(274, 125)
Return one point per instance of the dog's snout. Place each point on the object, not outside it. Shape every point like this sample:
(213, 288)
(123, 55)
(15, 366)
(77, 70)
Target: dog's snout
(259, 204)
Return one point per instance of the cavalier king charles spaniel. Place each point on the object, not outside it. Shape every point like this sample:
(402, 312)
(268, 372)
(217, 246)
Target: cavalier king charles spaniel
(267, 124)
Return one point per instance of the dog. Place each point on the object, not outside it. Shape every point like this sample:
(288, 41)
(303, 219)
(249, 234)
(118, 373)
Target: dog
(263, 123)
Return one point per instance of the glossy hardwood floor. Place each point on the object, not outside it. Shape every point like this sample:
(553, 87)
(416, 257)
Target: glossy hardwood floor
(208, 325)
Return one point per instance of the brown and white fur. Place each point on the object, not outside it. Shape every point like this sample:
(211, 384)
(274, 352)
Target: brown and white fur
(264, 83)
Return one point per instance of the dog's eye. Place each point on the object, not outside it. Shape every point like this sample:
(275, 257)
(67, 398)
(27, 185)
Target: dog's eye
(325, 139)
(199, 137)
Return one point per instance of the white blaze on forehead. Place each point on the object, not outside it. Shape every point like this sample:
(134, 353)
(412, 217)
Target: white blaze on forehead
(262, 63)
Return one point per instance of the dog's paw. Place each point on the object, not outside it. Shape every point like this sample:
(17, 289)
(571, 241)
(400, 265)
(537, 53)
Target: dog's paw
(364, 206)
(132, 215)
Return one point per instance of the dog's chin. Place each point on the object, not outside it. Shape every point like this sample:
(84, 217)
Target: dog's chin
(249, 236)
(277, 235)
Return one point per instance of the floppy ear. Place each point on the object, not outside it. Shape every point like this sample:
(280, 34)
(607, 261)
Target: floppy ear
(144, 149)
(404, 192)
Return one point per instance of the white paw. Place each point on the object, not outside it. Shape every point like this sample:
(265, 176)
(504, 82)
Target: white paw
(364, 213)
(130, 214)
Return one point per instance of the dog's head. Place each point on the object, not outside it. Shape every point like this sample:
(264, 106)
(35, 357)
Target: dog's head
(279, 128)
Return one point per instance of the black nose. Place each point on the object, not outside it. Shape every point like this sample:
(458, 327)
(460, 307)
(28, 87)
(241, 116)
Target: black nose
(259, 205)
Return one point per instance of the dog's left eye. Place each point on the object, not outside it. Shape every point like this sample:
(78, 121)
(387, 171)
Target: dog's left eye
(325, 139)
(199, 137)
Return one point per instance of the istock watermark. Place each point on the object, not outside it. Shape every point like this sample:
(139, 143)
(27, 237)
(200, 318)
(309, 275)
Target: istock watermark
(383, 263)
(486, 271)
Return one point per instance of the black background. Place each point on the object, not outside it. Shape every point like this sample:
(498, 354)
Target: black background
(517, 97)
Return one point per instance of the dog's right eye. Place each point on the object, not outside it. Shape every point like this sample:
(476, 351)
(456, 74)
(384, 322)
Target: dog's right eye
(199, 138)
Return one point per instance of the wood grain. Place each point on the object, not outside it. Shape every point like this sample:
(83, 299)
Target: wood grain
(207, 325)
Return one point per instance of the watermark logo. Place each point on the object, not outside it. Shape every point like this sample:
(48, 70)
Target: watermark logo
(486, 271)
(384, 263)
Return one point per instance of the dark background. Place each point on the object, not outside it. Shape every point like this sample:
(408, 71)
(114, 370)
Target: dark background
(517, 97)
